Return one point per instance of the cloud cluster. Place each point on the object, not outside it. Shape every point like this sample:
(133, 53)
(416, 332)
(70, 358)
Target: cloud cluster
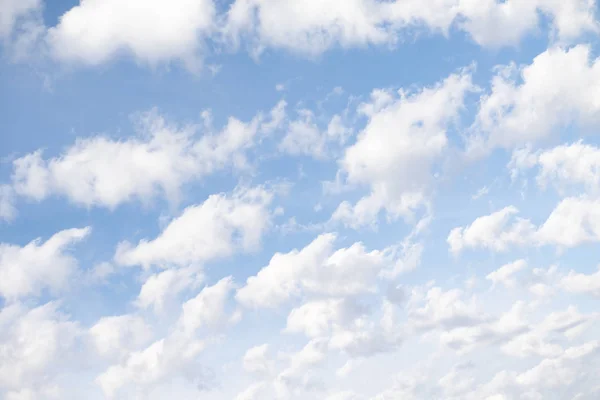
(160, 31)
(396, 284)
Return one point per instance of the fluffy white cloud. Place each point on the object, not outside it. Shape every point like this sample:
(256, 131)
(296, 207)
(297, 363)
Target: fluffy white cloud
(504, 274)
(100, 171)
(335, 318)
(159, 290)
(299, 372)
(492, 232)
(573, 222)
(497, 23)
(256, 360)
(118, 335)
(316, 27)
(97, 31)
(176, 354)
(576, 282)
(316, 269)
(207, 309)
(529, 103)
(12, 11)
(28, 270)
(397, 149)
(562, 166)
(215, 228)
(345, 325)
(305, 137)
(445, 309)
(318, 318)
(34, 345)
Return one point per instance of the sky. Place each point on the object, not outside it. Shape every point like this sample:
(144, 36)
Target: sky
(337, 200)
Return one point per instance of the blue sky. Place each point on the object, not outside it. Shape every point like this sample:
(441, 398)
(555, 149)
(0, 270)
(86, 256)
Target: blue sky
(341, 200)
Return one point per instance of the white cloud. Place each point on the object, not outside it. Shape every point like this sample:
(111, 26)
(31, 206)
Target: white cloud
(28, 270)
(318, 269)
(215, 228)
(562, 166)
(155, 32)
(118, 335)
(573, 222)
(345, 395)
(498, 23)
(319, 318)
(46, 393)
(301, 364)
(256, 360)
(346, 326)
(13, 11)
(494, 24)
(504, 274)
(305, 137)
(576, 282)
(252, 392)
(491, 232)
(334, 317)
(176, 354)
(310, 28)
(315, 28)
(100, 171)
(529, 103)
(545, 337)
(207, 309)
(159, 290)
(8, 211)
(397, 149)
(445, 309)
(159, 361)
(98, 31)
(455, 383)
(35, 344)
(481, 192)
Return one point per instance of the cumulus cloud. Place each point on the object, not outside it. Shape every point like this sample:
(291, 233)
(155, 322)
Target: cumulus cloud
(30, 269)
(162, 289)
(563, 166)
(257, 361)
(316, 27)
(505, 274)
(305, 137)
(155, 32)
(213, 229)
(494, 232)
(529, 103)
(104, 172)
(96, 31)
(572, 223)
(317, 268)
(339, 315)
(176, 354)
(114, 337)
(35, 343)
(577, 282)
(395, 152)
